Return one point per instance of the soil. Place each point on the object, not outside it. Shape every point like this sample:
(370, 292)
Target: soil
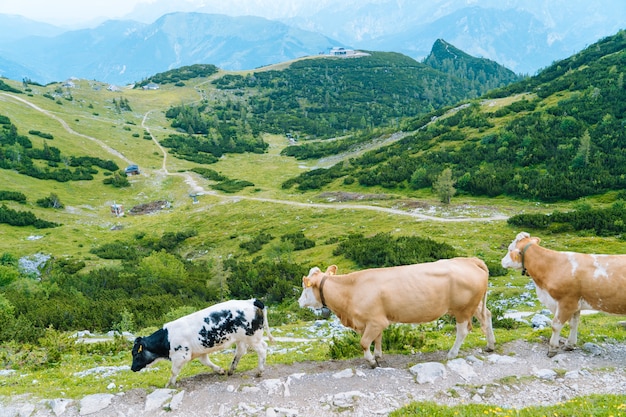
(149, 208)
(520, 374)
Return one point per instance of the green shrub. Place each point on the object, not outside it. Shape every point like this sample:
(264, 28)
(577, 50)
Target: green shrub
(15, 355)
(397, 338)
(52, 201)
(56, 344)
(300, 242)
(256, 244)
(383, 250)
(346, 346)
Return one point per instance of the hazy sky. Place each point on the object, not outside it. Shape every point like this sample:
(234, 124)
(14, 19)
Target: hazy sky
(91, 12)
(63, 12)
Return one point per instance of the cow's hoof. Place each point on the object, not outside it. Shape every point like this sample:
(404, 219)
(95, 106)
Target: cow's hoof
(489, 349)
(569, 348)
(552, 353)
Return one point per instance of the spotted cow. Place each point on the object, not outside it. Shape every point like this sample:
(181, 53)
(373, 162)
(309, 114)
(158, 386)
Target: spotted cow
(239, 322)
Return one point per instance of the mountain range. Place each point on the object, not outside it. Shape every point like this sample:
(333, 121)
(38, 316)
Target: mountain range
(523, 37)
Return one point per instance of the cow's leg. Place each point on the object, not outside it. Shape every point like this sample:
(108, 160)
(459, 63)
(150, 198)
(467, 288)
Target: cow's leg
(572, 340)
(484, 318)
(553, 348)
(564, 311)
(371, 332)
(204, 359)
(260, 348)
(177, 365)
(378, 348)
(462, 330)
(241, 350)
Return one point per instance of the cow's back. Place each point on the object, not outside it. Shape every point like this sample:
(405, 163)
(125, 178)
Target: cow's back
(421, 292)
(215, 327)
(596, 277)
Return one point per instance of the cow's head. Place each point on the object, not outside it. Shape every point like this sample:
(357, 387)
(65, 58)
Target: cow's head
(310, 296)
(513, 257)
(141, 355)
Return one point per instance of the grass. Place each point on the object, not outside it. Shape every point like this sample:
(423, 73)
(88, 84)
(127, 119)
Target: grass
(592, 406)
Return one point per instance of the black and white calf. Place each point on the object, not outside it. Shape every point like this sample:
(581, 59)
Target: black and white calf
(205, 331)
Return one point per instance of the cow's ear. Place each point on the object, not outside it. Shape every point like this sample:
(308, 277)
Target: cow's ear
(331, 270)
(535, 240)
(306, 282)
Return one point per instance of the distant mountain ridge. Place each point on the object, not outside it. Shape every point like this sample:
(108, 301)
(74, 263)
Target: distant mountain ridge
(122, 52)
(522, 36)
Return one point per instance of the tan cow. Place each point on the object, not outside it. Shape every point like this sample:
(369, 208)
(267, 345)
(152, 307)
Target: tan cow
(368, 301)
(568, 282)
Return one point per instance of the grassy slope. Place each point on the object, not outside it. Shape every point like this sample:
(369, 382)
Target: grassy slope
(87, 220)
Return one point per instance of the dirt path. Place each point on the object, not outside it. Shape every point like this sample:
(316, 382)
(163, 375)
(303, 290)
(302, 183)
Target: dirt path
(65, 126)
(519, 375)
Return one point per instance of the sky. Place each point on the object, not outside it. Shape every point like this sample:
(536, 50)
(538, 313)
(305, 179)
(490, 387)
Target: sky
(89, 13)
(69, 12)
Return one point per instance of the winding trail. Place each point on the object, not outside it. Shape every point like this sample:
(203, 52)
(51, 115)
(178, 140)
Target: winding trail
(69, 129)
(195, 188)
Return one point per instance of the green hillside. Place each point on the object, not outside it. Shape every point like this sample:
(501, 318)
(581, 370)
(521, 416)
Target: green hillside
(322, 97)
(556, 136)
(227, 205)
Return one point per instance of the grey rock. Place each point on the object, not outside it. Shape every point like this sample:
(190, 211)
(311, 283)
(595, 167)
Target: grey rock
(428, 372)
(94, 403)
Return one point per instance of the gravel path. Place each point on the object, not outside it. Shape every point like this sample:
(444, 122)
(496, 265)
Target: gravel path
(519, 375)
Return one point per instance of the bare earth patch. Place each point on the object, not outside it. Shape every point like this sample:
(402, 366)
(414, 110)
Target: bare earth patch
(149, 208)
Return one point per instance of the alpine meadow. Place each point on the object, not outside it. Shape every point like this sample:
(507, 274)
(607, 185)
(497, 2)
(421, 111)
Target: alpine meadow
(125, 207)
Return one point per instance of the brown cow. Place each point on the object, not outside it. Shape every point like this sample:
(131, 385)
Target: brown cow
(568, 282)
(368, 301)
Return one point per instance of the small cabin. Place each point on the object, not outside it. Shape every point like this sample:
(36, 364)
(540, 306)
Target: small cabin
(132, 170)
(117, 210)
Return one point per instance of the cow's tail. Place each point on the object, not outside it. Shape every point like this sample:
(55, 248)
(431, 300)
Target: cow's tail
(259, 304)
(482, 311)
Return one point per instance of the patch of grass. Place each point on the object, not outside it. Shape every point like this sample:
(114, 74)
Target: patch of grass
(594, 405)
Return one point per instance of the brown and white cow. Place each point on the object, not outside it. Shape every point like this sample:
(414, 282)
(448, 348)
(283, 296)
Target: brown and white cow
(368, 301)
(568, 282)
